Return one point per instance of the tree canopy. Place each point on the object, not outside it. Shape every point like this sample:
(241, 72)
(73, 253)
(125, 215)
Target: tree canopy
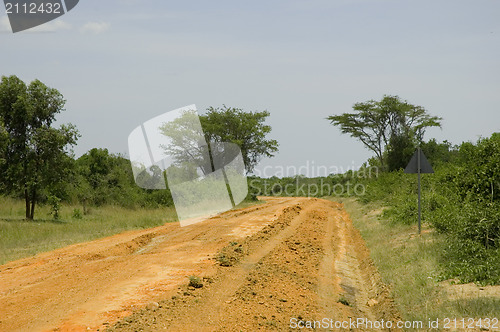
(190, 134)
(390, 125)
(33, 154)
(245, 129)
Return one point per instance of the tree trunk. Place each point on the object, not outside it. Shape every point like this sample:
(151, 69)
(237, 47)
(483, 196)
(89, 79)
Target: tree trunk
(381, 160)
(33, 200)
(27, 199)
(84, 204)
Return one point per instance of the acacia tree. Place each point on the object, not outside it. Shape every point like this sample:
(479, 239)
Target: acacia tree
(377, 124)
(35, 154)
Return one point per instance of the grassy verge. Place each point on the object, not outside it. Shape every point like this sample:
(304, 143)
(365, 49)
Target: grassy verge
(410, 264)
(20, 238)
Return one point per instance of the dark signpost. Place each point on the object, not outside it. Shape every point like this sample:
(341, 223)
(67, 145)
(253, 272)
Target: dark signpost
(419, 164)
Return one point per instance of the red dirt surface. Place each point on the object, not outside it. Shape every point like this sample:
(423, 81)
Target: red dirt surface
(289, 259)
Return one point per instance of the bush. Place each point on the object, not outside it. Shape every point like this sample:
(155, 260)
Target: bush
(469, 261)
(55, 206)
(195, 282)
(461, 201)
(77, 214)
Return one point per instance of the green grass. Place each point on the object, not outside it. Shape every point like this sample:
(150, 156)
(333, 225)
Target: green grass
(478, 307)
(248, 203)
(21, 238)
(410, 265)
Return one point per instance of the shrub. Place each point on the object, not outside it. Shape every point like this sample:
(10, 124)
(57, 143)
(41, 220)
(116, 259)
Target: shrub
(461, 201)
(55, 206)
(77, 214)
(195, 282)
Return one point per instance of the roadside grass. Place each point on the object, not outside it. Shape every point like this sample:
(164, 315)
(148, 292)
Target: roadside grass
(248, 203)
(409, 263)
(478, 306)
(20, 238)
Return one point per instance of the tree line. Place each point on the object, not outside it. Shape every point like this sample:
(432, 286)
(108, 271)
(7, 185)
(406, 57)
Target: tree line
(461, 201)
(37, 162)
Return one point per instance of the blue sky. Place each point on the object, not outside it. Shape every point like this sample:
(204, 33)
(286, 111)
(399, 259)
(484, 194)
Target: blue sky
(119, 63)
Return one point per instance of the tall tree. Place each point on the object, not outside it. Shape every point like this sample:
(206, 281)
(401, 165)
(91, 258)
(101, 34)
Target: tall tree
(187, 146)
(35, 154)
(3, 142)
(189, 136)
(245, 129)
(375, 123)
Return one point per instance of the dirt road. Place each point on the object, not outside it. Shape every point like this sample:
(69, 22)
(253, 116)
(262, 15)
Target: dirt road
(290, 260)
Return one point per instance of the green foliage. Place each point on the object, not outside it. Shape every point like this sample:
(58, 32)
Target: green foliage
(347, 184)
(461, 201)
(20, 238)
(225, 260)
(344, 301)
(245, 129)
(469, 261)
(103, 178)
(399, 152)
(439, 153)
(375, 123)
(253, 191)
(479, 177)
(184, 135)
(195, 282)
(33, 154)
(77, 214)
(55, 206)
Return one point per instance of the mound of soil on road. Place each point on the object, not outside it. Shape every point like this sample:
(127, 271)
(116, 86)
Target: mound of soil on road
(308, 264)
(290, 260)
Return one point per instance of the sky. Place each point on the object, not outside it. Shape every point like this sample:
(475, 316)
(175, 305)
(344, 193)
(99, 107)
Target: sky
(119, 63)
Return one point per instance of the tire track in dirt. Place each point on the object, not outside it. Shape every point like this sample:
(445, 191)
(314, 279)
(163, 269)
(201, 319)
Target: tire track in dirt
(82, 286)
(214, 308)
(294, 259)
(289, 272)
(329, 281)
(362, 288)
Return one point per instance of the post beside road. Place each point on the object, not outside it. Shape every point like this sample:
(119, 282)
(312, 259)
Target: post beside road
(419, 164)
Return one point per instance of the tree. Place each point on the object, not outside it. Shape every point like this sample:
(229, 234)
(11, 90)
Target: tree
(440, 153)
(36, 155)
(102, 178)
(245, 129)
(187, 147)
(375, 122)
(200, 141)
(399, 151)
(3, 142)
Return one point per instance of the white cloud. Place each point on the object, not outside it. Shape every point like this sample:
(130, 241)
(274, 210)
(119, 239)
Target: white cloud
(95, 27)
(51, 26)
